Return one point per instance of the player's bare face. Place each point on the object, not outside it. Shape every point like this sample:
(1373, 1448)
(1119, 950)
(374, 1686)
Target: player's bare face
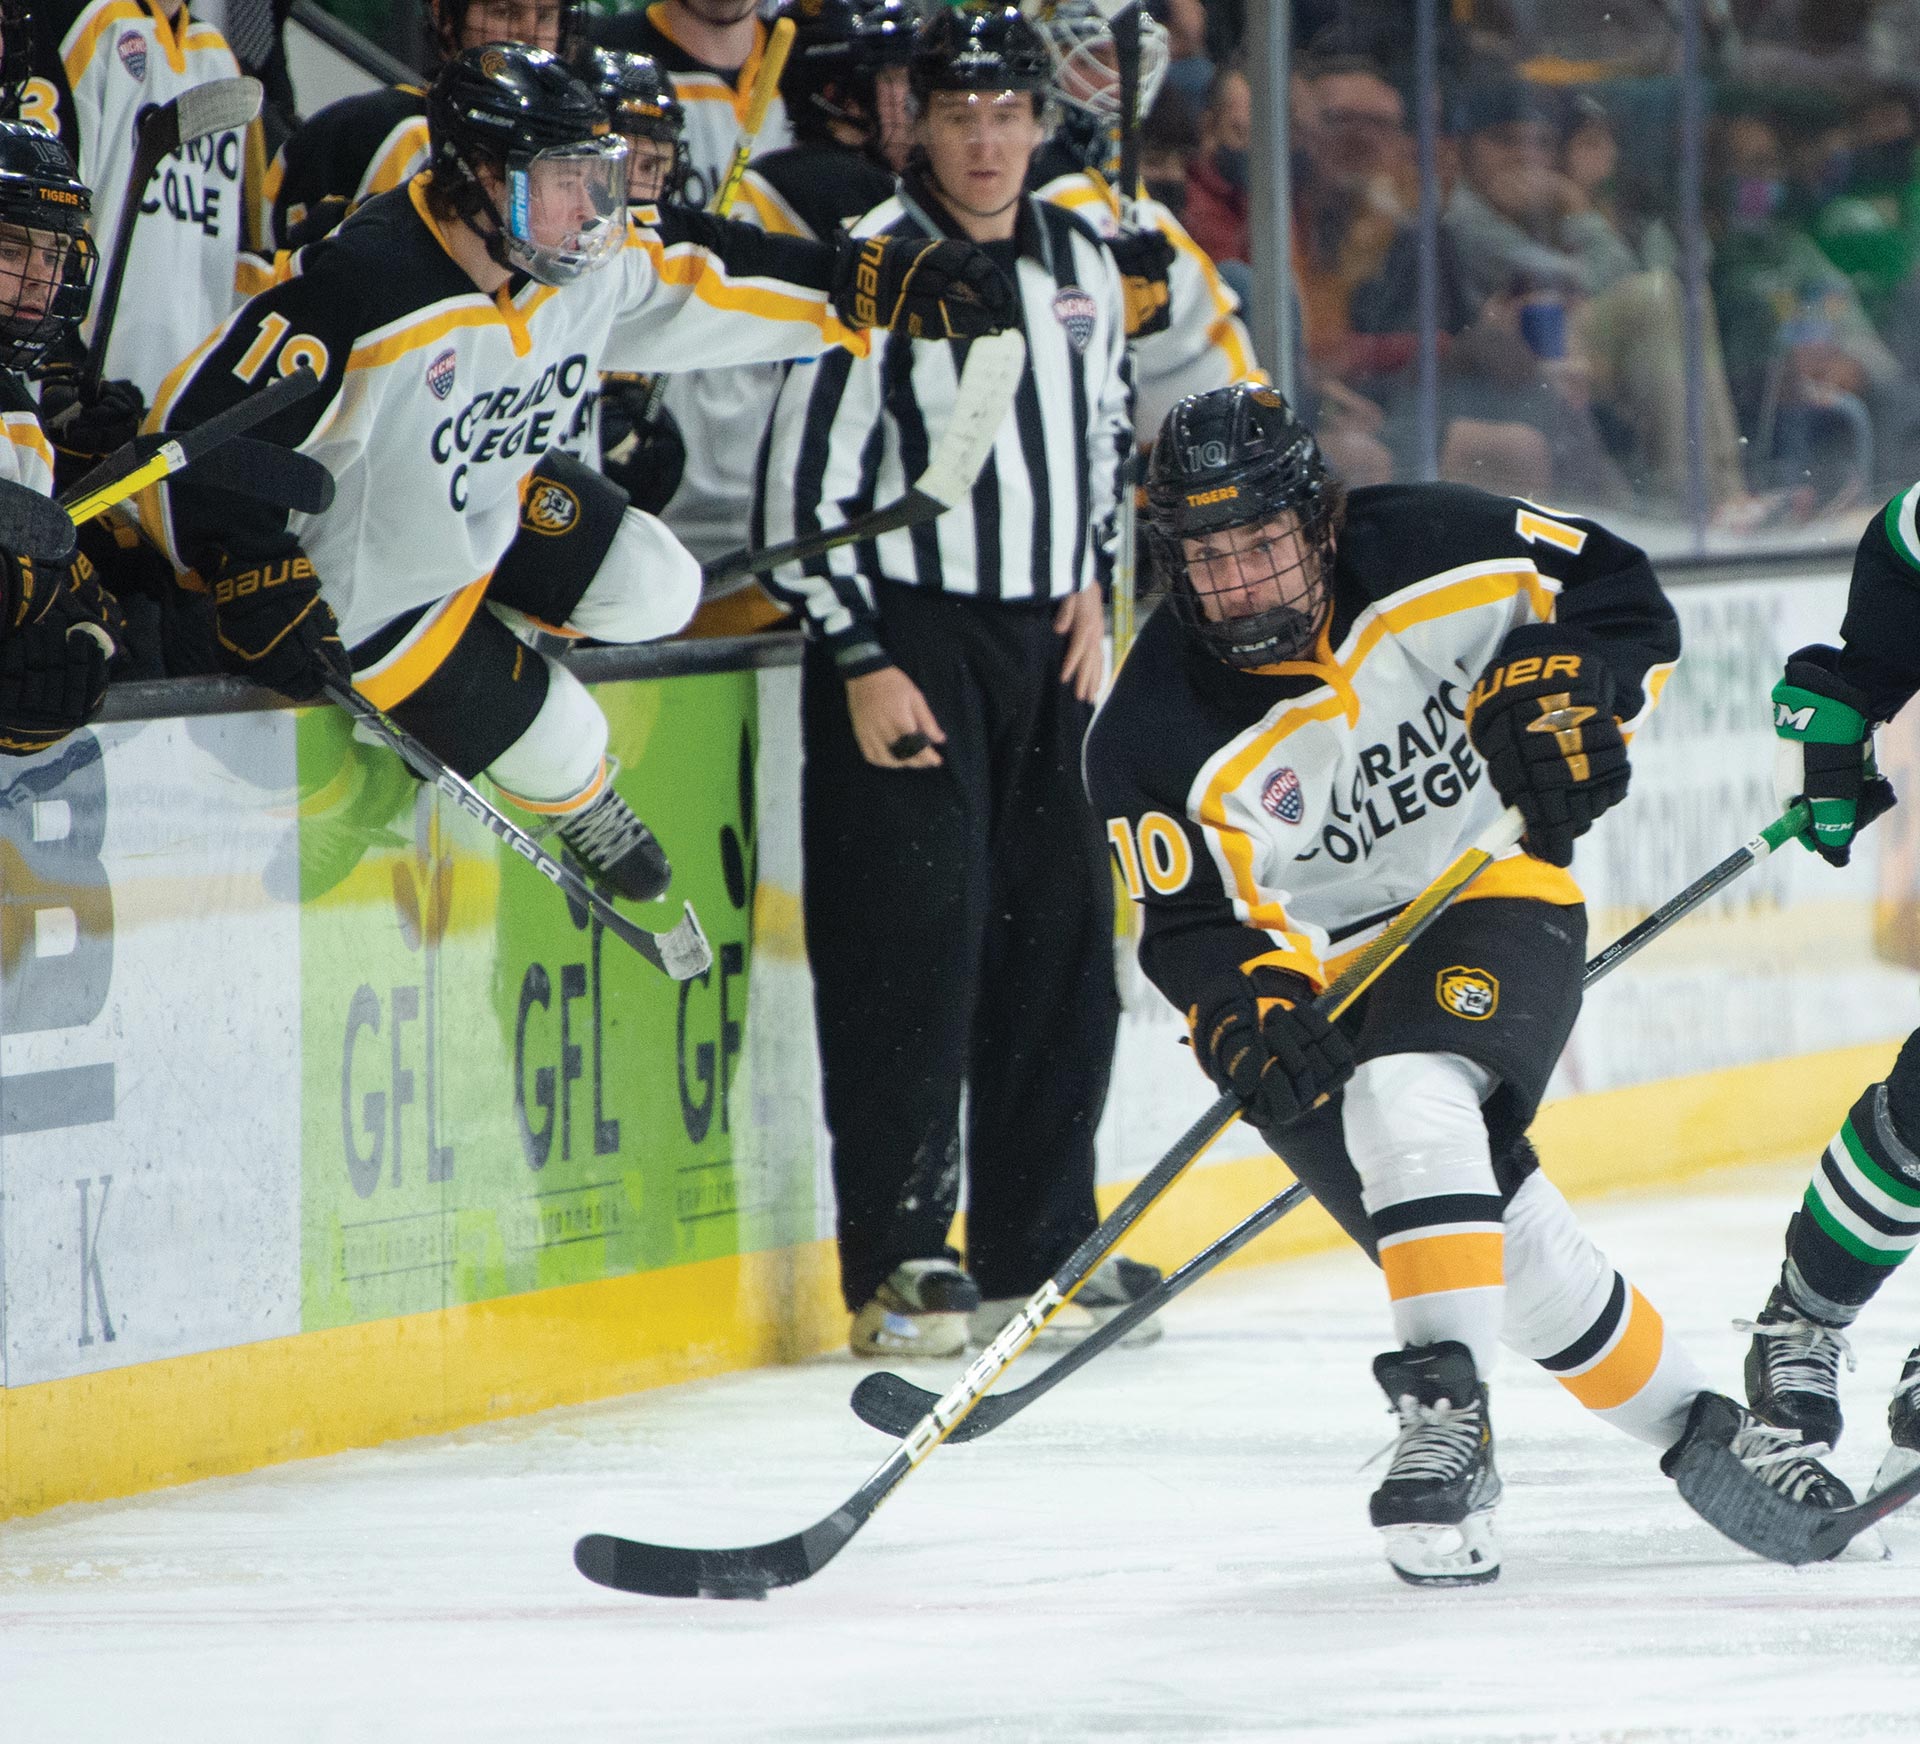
(536, 23)
(978, 146)
(1239, 572)
(649, 163)
(31, 262)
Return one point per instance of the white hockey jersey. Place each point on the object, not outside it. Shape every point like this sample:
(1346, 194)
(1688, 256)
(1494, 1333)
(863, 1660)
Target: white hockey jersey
(437, 400)
(97, 67)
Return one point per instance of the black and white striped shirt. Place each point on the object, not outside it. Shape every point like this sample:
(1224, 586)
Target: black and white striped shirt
(850, 433)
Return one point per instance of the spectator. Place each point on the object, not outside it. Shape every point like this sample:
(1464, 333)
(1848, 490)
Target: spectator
(1216, 204)
(1169, 141)
(1190, 69)
(1526, 229)
(1810, 376)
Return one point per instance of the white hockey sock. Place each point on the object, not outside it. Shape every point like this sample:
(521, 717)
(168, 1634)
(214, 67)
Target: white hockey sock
(1587, 1326)
(1414, 1131)
(559, 763)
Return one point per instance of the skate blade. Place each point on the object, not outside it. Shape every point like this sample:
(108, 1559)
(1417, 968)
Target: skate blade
(1444, 1556)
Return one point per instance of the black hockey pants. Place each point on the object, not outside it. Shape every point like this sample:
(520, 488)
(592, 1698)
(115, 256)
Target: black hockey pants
(960, 928)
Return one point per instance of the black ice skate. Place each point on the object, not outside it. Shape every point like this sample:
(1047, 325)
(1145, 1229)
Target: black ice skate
(616, 848)
(1903, 1424)
(1435, 1507)
(1793, 1369)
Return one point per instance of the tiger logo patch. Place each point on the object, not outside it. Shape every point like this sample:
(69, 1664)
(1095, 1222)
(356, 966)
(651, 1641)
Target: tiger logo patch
(550, 508)
(1469, 993)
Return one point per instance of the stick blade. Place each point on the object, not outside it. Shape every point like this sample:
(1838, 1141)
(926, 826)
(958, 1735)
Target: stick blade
(987, 385)
(268, 473)
(668, 1571)
(218, 106)
(684, 951)
(892, 1404)
(34, 526)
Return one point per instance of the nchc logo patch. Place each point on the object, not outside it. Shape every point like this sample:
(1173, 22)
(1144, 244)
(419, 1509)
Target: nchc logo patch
(1469, 993)
(132, 49)
(1281, 797)
(550, 508)
(1076, 311)
(440, 374)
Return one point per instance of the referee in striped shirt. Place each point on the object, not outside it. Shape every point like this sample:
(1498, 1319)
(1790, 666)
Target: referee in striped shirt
(959, 909)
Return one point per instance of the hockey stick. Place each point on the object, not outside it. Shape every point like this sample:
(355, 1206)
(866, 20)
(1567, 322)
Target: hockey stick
(268, 473)
(1724, 1493)
(670, 1571)
(988, 381)
(893, 1404)
(681, 954)
(218, 106)
(135, 465)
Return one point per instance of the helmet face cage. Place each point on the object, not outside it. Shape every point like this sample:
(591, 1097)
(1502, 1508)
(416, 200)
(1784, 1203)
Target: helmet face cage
(641, 104)
(839, 50)
(513, 20)
(1086, 75)
(47, 258)
(578, 190)
(1241, 519)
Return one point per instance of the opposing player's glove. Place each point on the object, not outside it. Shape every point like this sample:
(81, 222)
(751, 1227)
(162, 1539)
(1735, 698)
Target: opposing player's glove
(85, 431)
(1274, 1051)
(1144, 257)
(1542, 718)
(53, 677)
(273, 626)
(1825, 755)
(922, 287)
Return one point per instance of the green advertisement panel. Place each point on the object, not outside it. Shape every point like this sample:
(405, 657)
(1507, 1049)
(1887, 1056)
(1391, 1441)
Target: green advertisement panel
(497, 1096)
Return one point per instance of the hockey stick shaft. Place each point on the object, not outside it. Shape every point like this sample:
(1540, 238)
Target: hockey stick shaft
(190, 116)
(890, 1403)
(680, 954)
(675, 1572)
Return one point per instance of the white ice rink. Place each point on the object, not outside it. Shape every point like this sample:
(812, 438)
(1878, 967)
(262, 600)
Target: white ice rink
(1172, 1546)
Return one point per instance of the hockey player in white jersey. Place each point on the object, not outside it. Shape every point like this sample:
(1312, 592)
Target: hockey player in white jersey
(1183, 320)
(458, 326)
(58, 627)
(1335, 698)
(98, 65)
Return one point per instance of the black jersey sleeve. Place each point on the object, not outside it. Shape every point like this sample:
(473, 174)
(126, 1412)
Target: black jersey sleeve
(745, 250)
(330, 155)
(1143, 759)
(1880, 634)
(309, 319)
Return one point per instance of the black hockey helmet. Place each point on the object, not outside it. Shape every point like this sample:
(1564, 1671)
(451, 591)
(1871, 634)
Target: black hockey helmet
(1241, 517)
(446, 24)
(544, 134)
(46, 279)
(978, 48)
(839, 47)
(640, 102)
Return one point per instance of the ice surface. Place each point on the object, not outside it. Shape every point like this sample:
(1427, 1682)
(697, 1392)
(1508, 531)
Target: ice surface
(1172, 1546)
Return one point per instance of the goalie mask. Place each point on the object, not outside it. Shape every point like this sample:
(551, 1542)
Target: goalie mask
(640, 102)
(519, 117)
(1086, 70)
(47, 258)
(1241, 516)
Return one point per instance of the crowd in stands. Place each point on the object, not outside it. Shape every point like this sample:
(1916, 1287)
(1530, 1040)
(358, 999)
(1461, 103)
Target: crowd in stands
(1562, 350)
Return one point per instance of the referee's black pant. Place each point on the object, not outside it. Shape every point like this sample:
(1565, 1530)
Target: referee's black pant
(960, 929)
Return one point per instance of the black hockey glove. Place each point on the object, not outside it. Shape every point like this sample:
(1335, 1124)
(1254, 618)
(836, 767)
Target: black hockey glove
(1826, 752)
(1144, 258)
(273, 626)
(53, 677)
(85, 432)
(1275, 1052)
(645, 456)
(922, 287)
(1542, 717)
